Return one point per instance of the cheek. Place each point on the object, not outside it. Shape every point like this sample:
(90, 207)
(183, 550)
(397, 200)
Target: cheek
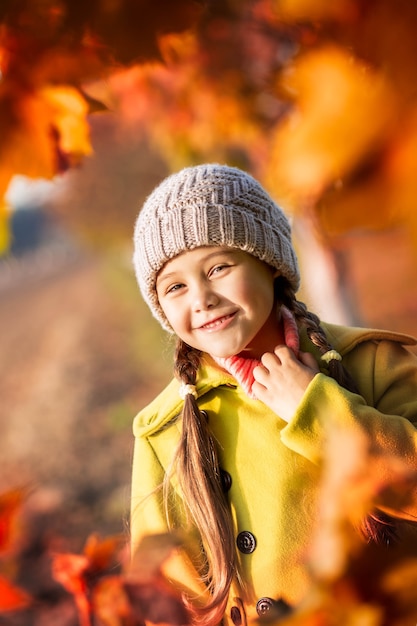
(173, 314)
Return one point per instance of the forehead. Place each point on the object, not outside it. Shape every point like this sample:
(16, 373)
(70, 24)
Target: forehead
(203, 253)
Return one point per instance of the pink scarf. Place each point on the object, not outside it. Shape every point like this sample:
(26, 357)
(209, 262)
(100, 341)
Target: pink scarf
(242, 369)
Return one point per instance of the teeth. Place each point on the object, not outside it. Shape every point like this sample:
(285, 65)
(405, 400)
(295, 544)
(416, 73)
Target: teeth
(216, 323)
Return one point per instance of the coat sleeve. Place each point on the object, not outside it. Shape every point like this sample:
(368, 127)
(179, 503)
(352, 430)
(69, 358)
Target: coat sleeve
(148, 517)
(385, 412)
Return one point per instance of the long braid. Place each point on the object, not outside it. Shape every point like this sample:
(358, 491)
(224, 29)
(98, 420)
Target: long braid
(377, 526)
(198, 473)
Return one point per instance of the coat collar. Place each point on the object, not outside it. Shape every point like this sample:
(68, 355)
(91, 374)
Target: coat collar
(345, 338)
(168, 405)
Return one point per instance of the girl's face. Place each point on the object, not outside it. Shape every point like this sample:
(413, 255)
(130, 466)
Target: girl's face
(221, 301)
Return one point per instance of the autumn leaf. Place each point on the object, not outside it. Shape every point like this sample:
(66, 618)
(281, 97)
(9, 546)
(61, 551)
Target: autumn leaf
(70, 571)
(316, 9)
(110, 602)
(44, 134)
(11, 597)
(43, 122)
(10, 506)
(344, 111)
(68, 111)
(102, 554)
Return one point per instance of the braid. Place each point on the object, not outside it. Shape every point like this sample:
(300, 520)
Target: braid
(377, 526)
(198, 473)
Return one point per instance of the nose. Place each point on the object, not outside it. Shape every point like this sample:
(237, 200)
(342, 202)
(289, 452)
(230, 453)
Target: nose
(204, 297)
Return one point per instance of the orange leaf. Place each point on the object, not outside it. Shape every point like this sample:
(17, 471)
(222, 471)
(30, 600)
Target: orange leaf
(110, 601)
(344, 112)
(10, 503)
(68, 111)
(70, 570)
(102, 553)
(316, 9)
(12, 598)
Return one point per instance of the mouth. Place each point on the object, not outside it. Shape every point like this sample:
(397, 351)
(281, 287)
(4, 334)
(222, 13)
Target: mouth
(218, 323)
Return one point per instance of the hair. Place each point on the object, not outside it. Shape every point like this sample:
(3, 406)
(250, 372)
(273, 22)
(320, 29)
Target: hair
(197, 469)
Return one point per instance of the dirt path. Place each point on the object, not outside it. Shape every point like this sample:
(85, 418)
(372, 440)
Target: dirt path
(69, 389)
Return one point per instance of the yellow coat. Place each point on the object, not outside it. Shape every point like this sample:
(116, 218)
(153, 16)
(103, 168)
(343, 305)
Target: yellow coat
(275, 466)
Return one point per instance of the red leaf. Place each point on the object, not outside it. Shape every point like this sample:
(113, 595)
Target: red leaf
(12, 598)
(70, 570)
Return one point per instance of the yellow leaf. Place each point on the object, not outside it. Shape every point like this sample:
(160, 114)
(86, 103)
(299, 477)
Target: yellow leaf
(344, 111)
(316, 9)
(68, 111)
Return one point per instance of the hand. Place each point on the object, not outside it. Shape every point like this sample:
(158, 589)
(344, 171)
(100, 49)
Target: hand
(281, 380)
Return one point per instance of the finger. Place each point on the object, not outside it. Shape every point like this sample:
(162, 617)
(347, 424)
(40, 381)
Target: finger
(269, 360)
(261, 375)
(308, 359)
(282, 352)
(258, 389)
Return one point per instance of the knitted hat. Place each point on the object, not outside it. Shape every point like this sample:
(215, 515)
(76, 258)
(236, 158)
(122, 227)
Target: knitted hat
(209, 205)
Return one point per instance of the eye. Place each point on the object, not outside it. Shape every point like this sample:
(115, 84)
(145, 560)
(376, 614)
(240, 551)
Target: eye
(174, 288)
(219, 268)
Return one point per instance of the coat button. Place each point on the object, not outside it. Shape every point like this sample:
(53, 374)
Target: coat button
(264, 605)
(279, 607)
(226, 480)
(236, 616)
(246, 542)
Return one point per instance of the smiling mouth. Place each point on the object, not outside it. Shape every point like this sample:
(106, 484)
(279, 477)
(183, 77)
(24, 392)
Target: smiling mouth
(220, 322)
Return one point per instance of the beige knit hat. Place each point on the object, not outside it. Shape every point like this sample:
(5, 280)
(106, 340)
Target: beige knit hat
(209, 205)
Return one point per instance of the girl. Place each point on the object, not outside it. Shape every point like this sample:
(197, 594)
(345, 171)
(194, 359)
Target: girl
(231, 449)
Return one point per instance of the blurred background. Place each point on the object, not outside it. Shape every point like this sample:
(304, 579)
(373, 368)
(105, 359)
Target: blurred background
(97, 105)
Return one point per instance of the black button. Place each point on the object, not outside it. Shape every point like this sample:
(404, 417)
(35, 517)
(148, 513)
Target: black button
(236, 615)
(226, 480)
(205, 415)
(279, 607)
(264, 605)
(246, 542)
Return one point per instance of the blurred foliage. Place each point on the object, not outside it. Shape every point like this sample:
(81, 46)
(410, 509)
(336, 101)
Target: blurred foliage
(315, 98)
(354, 583)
